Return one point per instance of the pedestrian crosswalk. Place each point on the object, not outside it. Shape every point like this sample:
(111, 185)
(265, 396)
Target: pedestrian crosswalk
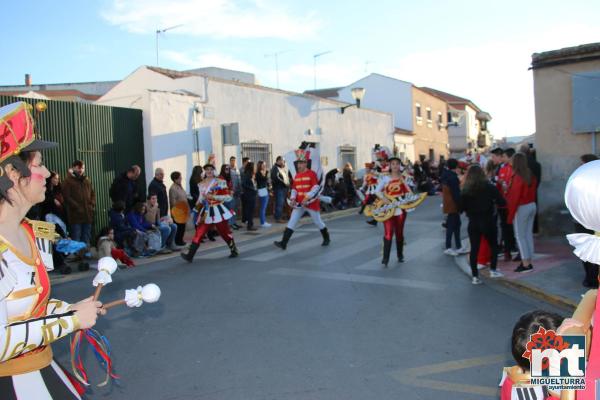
(411, 251)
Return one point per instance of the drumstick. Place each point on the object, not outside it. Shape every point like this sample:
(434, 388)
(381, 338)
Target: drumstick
(150, 293)
(106, 267)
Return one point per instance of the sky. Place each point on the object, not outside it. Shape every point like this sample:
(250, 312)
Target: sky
(480, 50)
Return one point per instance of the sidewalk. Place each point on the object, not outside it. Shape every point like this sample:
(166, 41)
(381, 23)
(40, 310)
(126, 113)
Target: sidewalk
(240, 236)
(556, 276)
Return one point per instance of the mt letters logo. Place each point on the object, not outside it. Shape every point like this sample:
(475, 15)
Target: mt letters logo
(556, 361)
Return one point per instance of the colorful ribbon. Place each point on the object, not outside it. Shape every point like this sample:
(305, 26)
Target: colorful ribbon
(101, 348)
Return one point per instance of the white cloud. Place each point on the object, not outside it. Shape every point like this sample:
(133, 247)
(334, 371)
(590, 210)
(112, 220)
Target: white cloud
(185, 60)
(215, 18)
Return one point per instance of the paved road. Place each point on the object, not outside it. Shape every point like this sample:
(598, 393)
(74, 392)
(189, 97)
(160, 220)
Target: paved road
(310, 323)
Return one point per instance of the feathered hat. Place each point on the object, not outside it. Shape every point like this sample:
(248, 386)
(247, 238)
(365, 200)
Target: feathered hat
(302, 155)
(16, 136)
(381, 153)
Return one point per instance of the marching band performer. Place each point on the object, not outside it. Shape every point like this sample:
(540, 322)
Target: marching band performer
(29, 319)
(368, 188)
(391, 188)
(304, 198)
(214, 192)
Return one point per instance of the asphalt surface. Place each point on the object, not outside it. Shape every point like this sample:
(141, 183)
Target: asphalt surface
(311, 322)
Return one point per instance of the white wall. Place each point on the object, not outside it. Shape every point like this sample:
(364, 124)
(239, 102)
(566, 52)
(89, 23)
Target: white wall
(271, 116)
(384, 94)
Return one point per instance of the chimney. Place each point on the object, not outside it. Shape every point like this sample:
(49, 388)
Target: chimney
(27, 80)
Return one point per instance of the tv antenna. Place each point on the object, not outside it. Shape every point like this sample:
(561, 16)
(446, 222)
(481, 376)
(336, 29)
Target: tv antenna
(158, 32)
(276, 57)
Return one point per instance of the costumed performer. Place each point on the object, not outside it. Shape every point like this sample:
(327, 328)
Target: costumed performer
(214, 193)
(389, 189)
(30, 320)
(368, 188)
(304, 197)
(582, 198)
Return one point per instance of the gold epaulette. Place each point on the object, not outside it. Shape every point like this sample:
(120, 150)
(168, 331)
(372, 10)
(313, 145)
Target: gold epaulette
(43, 229)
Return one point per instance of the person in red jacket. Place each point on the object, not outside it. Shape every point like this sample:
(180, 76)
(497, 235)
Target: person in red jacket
(304, 198)
(520, 197)
(503, 178)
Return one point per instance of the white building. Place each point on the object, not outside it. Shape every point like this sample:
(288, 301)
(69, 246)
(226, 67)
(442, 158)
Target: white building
(187, 116)
(385, 94)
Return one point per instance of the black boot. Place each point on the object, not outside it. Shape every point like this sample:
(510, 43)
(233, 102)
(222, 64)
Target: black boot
(387, 247)
(372, 222)
(325, 235)
(189, 256)
(362, 208)
(287, 234)
(233, 248)
(400, 249)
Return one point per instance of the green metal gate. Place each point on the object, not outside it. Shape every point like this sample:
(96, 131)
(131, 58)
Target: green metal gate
(107, 139)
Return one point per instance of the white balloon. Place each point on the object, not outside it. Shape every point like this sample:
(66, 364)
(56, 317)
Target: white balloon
(150, 293)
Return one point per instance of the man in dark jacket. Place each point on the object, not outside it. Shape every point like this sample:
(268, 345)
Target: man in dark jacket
(158, 188)
(451, 198)
(125, 188)
(80, 202)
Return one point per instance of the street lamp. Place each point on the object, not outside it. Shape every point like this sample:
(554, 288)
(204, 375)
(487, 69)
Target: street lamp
(357, 95)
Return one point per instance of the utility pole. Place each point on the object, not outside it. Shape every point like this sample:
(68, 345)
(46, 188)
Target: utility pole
(158, 32)
(276, 56)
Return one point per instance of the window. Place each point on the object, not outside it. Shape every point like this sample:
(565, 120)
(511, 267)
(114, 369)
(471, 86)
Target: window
(418, 114)
(348, 155)
(431, 155)
(440, 120)
(231, 134)
(257, 152)
(428, 114)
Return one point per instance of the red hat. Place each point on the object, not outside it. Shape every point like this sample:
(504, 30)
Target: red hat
(302, 155)
(16, 131)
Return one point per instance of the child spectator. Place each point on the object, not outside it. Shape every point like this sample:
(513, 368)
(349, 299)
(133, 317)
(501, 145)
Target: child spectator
(108, 248)
(125, 235)
(527, 325)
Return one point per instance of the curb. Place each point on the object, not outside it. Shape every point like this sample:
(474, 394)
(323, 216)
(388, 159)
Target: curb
(240, 238)
(530, 290)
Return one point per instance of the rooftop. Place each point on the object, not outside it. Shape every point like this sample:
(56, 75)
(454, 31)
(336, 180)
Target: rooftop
(325, 93)
(566, 55)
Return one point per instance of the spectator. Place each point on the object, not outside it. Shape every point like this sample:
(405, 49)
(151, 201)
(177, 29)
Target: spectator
(80, 203)
(124, 234)
(245, 161)
(536, 170)
(157, 187)
(281, 180)
(348, 176)
(225, 174)
(341, 195)
(125, 187)
(167, 228)
(54, 204)
(479, 200)
(107, 247)
(521, 208)
(179, 206)
(236, 183)
(451, 200)
(249, 193)
(503, 178)
(263, 188)
(195, 179)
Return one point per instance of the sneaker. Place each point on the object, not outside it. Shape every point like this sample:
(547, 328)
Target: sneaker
(165, 250)
(496, 274)
(266, 225)
(462, 250)
(450, 252)
(476, 281)
(481, 266)
(522, 268)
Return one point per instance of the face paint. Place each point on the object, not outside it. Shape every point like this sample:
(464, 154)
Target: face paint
(37, 177)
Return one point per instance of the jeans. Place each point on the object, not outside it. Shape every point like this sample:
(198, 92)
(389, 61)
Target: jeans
(264, 202)
(167, 233)
(523, 225)
(81, 233)
(280, 195)
(233, 206)
(453, 228)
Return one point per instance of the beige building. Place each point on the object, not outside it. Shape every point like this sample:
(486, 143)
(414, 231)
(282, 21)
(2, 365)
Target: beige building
(430, 125)
(567, 91)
